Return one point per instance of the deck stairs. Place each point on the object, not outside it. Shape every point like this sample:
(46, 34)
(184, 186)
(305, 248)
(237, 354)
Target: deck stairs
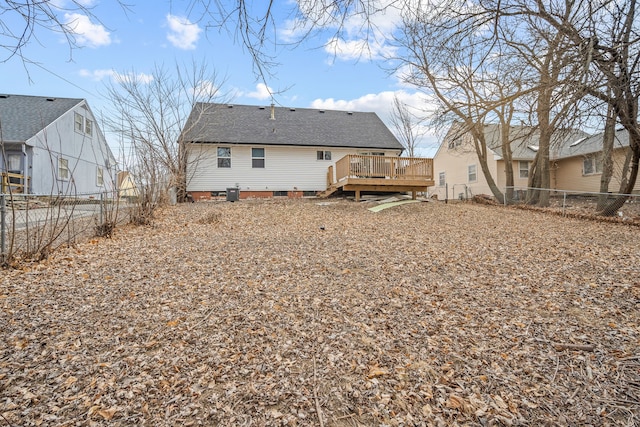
(333, 188)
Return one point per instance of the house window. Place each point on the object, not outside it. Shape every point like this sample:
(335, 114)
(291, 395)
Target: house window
(13, 163)
(100, 177)
(257, 157)
(224, 157)
(323, 155)
(88, 127)
(63, 168)
(455, 143)
(441, 179)
(472, 173)
(592, 164)
(524, 169)
(79, 122)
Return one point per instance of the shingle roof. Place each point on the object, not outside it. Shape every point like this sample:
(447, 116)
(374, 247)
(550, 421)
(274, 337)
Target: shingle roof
(249, 124)
(524, 141)
(591, 144)
(21, 116)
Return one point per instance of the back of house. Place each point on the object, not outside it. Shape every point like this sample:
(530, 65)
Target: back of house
(269, 151)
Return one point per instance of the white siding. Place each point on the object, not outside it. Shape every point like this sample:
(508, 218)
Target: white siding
(85, 153)
(286, 168)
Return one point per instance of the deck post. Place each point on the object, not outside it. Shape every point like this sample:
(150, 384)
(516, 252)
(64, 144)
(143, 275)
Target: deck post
(414, 195)
(357, 195)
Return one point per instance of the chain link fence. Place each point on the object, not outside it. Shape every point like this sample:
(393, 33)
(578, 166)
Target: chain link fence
(32, 225)
(625, 207)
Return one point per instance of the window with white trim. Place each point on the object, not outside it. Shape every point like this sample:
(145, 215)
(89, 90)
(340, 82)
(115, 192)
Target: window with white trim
(441, 179)
(88, 127)
(257, 158)
(224, 157)
(63, 168)
(523, 168)
(100, 177)
(78, 122)
(14, 163)
(323, 155)
(592, 164)
(472, 173)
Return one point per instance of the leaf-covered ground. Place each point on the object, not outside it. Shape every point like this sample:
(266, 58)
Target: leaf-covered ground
(308, 312)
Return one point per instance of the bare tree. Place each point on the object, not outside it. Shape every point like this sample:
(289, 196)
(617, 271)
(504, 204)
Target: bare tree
(151, 112)
(25, 20)
(460, 66)
(406, 126)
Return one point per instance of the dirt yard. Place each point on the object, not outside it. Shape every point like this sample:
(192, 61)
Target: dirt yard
(322, 313)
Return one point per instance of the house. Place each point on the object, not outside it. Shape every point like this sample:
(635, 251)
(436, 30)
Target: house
(577, 166)
(127, 189)
(458, 173)
(278, 151)
(53, 146)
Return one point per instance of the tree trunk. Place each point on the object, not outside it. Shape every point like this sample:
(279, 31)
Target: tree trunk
(607, 158)
(508, 161)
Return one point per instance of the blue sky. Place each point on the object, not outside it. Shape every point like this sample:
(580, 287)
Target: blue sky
(319, 73)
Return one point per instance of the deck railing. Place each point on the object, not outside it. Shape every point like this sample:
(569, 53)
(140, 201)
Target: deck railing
(384, 167)
(18, 183)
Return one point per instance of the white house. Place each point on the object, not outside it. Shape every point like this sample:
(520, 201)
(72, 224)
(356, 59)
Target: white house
(53, 146)
(275, 151)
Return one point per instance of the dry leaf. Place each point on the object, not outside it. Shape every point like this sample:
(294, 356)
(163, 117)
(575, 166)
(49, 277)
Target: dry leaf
(376, 371)
(107, 414)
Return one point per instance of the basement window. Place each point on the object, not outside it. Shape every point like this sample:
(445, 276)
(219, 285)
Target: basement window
(224, 157)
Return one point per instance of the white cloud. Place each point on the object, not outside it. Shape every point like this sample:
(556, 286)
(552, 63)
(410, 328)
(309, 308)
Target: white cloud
(348, 50)
(183, 34)
(96, 75)
(101, 74)
(86, 32)
(262, 92)
(142, 78)
(382, 104)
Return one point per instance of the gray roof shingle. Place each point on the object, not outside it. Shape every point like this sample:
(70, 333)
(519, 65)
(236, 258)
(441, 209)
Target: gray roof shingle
(524, 141)
(22, 116)
(248, 124)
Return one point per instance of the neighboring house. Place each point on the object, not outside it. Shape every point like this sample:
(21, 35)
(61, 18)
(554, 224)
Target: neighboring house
(275, 151)
(53, 146)
(127, 188)
(457, 168)
(577, 166)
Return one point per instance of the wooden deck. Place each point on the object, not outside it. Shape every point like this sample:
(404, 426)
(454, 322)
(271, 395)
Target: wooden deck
(17, 183)
(359, 173)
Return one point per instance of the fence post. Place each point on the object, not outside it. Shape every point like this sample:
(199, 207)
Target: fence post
(564, 202)
(3, 217)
